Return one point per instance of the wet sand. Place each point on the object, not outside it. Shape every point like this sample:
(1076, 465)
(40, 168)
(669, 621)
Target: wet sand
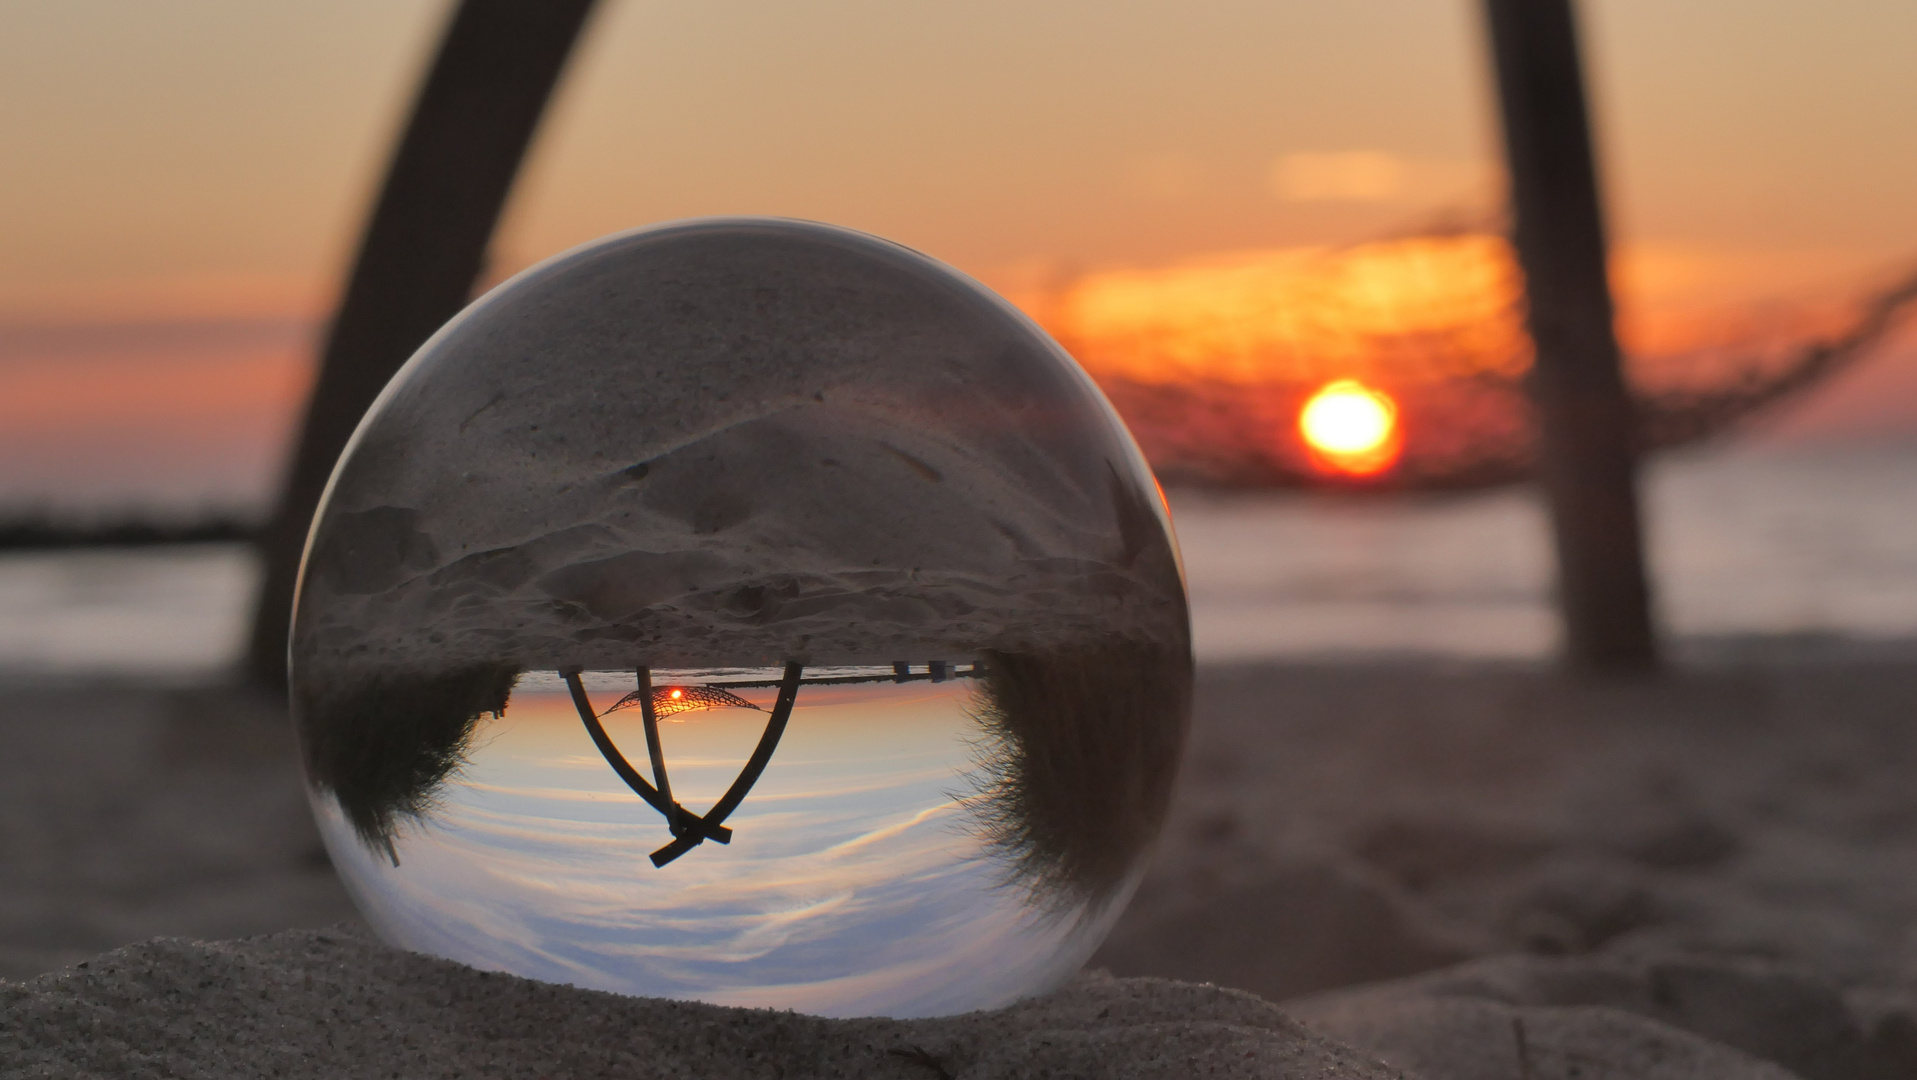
(1462, 870)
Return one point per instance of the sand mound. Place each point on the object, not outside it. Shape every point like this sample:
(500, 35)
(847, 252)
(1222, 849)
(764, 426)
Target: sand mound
(332, 1004)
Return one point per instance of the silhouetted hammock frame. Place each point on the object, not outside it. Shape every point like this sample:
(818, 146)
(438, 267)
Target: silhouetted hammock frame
(689, 830)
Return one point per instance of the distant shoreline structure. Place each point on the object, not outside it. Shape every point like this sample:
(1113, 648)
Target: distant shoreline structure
(45, 530)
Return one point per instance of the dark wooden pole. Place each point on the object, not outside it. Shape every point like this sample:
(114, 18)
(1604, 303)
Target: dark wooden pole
(1585, 414)
(423, 249)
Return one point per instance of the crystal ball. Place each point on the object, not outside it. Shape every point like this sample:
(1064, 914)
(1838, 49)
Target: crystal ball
(750, 611)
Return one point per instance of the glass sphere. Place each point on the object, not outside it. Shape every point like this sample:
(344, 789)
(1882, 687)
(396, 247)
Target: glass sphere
(750, 611)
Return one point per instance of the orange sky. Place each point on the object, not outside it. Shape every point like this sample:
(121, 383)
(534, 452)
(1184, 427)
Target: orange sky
(209, 161)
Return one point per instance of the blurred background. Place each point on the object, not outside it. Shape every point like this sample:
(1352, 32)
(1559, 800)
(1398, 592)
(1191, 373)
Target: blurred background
(1222, 208)
(1225, 191)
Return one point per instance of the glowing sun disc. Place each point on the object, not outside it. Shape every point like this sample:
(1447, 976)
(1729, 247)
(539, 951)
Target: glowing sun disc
(1352, 426)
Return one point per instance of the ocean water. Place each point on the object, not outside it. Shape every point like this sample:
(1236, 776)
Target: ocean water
(1745, 541)
(170, 613)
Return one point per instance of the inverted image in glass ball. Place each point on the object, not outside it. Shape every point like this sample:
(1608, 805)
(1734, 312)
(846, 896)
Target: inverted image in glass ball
(744, 610)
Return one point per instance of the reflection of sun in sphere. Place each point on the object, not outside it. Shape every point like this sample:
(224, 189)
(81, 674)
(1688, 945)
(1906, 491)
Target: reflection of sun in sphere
(1351, 428)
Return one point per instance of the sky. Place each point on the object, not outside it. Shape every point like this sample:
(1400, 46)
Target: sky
(184, 182)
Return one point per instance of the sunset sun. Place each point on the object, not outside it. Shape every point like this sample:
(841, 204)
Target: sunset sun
(1351, 428)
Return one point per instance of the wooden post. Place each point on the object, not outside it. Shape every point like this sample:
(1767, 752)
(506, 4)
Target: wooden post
(1585, 414)
(423, 249)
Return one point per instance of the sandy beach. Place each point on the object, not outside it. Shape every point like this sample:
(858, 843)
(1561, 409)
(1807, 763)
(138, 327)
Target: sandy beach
(1444, 869)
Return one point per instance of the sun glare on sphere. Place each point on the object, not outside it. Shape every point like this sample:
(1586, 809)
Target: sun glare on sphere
(1351, 428)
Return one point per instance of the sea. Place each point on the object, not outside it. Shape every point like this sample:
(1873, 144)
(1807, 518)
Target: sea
(1754, 550)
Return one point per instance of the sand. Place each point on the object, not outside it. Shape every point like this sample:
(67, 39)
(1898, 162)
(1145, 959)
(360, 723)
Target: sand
(1474, 871)
(327, 1004)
